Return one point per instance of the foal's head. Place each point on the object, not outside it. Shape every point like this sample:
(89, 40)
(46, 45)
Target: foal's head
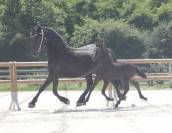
(102, 54)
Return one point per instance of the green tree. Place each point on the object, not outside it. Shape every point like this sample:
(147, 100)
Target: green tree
(86, 34)
(19, 16)
(164, 13)
(159, 45)
(142, 19)
(126, 41)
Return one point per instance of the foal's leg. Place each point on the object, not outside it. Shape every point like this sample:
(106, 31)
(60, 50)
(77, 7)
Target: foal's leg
(62, 99)
(126, 86)
(117, 86)
(41, 89)
(136, 84)
(81, 99)
(103, 91)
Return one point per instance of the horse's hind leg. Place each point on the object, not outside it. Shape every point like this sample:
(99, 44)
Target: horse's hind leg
(63, 99)
(81, 99)
(41, 89)
(104, 89)
(136, 84)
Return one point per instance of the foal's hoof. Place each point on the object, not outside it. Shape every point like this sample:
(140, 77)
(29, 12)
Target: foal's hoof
(31, 105)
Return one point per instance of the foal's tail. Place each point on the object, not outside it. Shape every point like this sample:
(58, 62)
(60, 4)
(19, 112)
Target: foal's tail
(140, 73)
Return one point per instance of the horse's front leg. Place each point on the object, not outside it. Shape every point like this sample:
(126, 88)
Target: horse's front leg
(41, 89)
(62, 99)
(81, 99)
(91, 89)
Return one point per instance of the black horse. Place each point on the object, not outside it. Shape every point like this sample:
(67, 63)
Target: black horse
(63, 61)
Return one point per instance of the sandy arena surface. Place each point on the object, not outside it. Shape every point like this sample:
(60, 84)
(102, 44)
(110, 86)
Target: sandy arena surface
(51, 116)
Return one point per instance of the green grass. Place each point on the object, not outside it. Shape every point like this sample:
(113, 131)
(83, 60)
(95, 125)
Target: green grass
(61, 86)
(82, 86)
(5, 87)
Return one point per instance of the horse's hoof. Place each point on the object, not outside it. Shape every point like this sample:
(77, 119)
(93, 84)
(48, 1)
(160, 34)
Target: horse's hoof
(78, 104)
(31, 105)
(144, 98)
(84, 103)
(124, 98)
(116, 105)
(66, 101)
(110, 99)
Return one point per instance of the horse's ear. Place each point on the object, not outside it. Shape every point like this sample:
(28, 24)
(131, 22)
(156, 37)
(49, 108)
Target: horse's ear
(97, 43)
(31, 32)
(101, 45)
(31, 29)
(37, 27)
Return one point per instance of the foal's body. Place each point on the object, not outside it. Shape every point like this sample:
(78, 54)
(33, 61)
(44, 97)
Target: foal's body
(110, 71)
(122, 72)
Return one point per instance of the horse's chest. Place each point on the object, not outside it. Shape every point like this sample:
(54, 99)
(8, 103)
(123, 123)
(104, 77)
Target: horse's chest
(55, 68)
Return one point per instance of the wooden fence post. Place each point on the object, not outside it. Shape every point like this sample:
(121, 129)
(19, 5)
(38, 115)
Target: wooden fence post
(13, 80)
(170, 71)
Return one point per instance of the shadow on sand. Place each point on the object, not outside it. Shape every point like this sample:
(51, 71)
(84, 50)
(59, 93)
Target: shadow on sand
(100, 110)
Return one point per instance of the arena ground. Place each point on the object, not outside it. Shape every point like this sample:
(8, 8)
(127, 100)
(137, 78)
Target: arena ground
(51, 116)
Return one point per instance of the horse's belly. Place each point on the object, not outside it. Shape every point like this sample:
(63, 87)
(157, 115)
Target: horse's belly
(71, 69)
(72, 73)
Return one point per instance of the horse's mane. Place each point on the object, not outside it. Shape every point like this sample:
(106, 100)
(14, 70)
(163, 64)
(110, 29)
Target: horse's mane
(56, 34)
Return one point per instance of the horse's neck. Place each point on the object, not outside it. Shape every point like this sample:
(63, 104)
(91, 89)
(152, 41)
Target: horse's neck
(56, 52)
(55, 42)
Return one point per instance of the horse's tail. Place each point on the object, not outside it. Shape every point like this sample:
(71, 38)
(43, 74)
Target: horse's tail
(140, 73)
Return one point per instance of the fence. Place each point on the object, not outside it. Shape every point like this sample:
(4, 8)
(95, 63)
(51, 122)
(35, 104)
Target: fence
(14, 74)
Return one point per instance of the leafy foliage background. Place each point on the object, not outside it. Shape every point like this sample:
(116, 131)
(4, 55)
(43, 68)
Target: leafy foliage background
(132, 28)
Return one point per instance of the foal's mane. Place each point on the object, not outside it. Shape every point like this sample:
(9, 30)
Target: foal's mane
(106, 55)
(104, 58)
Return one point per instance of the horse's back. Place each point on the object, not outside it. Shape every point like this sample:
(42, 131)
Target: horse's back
(87, 49)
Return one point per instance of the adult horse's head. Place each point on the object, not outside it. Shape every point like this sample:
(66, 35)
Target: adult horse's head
(38, 37)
